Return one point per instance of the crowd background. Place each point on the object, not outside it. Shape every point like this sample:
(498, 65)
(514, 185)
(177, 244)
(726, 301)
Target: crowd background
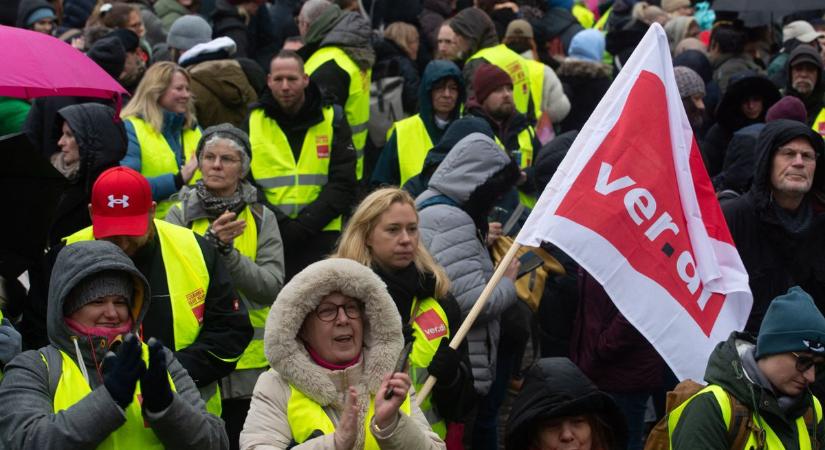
(434, 126)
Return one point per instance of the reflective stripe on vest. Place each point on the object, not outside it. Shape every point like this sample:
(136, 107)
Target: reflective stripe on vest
(819, 123)
(134, 433)
(772, 441)
(305, 416)
(536, 84)
(289, 185)
(247, 245)
(413, 142)
(515, 66)
(357, 107)
(429, 328)
(157, 157)
(188, 280)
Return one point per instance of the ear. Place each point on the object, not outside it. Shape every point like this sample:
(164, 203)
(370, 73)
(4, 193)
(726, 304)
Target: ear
(90, 211)
(151, 210)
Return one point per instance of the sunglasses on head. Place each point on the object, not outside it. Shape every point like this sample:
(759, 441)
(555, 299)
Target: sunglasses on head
(805, 362)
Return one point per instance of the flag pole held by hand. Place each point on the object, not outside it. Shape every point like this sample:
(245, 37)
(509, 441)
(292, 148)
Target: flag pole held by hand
(472, 315)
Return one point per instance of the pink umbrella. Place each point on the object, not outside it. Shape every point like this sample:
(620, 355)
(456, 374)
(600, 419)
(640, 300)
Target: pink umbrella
(38, 65)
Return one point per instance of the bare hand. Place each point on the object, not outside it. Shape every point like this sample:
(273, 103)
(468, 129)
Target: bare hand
(494, 231)
(226, 228)
(187, 171)
(512, 270)
(347, 429)
(387, 410)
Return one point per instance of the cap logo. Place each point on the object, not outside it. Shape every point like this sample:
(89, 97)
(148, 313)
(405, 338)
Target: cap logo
(815, 346)
(123, 201)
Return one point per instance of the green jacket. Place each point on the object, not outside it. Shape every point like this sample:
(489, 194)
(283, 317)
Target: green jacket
(701, 425)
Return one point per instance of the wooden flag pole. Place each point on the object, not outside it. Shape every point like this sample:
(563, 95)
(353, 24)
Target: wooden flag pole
(472, 315)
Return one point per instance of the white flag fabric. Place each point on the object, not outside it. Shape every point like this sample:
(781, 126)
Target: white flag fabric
(632, 203)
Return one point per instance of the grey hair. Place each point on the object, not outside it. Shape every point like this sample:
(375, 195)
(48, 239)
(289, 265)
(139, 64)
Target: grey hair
(233, 142)
(313, 9)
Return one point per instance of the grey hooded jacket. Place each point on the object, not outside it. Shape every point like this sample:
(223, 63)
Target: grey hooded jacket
(450, 235)
(32, 424)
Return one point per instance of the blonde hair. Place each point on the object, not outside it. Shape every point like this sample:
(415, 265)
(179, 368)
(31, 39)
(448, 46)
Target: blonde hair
(151, 88)
(647, 13)
(353, 241)
(402, 34)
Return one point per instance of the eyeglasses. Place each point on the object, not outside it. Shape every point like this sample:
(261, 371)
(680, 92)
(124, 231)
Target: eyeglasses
(225, 160)
(327, 312)
(805, 362)
(789, 154)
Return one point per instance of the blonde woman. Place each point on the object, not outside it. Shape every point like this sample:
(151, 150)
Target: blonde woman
(383, 234)
(395, 56)
(163, 132)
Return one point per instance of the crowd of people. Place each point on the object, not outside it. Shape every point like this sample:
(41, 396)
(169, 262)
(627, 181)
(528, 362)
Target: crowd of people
(272, 240)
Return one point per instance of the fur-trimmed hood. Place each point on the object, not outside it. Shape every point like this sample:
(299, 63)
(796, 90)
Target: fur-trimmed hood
(575, 67)
(383, 340)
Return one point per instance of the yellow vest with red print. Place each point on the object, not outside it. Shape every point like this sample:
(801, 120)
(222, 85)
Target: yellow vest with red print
(819, 123)
(413, 142)
(515, 66)
(72, 387)
(305, 416)
(287, 184)
(357, 107)
(430, 326)
(157, 157)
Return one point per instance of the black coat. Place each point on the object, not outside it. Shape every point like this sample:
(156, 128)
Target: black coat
(585, 83)
(392, 60)
(255, 40)
(777, 258)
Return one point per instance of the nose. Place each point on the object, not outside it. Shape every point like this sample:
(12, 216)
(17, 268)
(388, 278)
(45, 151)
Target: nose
(810, 374)
(405, 236)
(110, 312)
(797, 159)
(341, 317)
(566, 432)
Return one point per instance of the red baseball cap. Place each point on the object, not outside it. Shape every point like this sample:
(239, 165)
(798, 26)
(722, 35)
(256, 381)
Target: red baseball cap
(121, 200)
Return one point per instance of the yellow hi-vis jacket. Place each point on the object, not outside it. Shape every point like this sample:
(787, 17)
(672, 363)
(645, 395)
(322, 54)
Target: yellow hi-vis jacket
(430, 326)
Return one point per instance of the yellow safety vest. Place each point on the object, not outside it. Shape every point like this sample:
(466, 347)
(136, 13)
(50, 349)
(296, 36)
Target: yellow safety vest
(247, 245)
(603, 19)
(525, 143)
(358, 101)
(583, 15)
(157, 157)
(515, 66)
(430, 326)
(819, 123)
(188, 280)
(413, 142)
(289, 185)
(772, 441)
(536, 85)
(305, 416)
(134, 433)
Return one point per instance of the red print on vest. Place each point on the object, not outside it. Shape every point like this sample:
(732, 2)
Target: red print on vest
(431, 324)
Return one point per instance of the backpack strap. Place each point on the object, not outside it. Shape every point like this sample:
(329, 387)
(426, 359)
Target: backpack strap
(742, 425)
(54, 366)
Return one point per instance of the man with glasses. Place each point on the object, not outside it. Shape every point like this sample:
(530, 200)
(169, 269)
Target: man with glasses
(769, 375)
(778, 226)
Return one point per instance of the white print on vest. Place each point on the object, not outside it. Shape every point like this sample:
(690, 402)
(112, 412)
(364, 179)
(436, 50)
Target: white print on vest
(124, 201)
(641, 206)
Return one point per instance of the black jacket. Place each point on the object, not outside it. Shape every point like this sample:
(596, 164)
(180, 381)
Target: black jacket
(392, 60)
(585, 83)
(775, 257)
(255, 40)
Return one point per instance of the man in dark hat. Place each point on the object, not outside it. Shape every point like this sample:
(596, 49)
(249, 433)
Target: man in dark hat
(805, 82)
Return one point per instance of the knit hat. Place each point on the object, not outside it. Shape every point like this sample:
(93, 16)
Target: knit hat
(109, 54)
(519, 28)
(99, 285)
(228, 131)
(800, 30)
(188, 31)
(128, 38)
(788, 107)
(588, 45)
(673, 5)
(40, 14)
(793, 323)
(487, 79)
(688, 81)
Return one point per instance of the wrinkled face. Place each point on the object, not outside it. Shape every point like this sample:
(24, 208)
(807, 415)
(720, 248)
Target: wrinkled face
(339, 340)
(444, 96)
(110, 311)
(804, 77)
(446, 43)
(793, 167)
(565, 433)
(752, 107)
(177, 94)
(499, 104)
(781, 370)
(68, 145)
(135, 24)
(394, 239)
(220, 165)
(287, 81)
(44, 26)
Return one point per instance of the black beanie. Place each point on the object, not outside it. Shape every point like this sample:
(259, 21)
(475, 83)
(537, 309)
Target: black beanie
(109, 54)
(128, 38)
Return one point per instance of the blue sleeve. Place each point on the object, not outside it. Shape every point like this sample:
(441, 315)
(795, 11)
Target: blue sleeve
(386, 171)
(162, 186)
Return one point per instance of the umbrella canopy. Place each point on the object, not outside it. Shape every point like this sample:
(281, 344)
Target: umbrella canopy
(39, 65)
(767, 5)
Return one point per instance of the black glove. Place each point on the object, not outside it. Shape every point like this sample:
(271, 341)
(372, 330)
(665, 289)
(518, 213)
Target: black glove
(121, 371)
(444, 365)
(154, 384)
(407, 330)
(293, 231)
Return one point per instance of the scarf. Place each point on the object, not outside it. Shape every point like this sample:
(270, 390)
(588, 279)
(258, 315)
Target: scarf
(70, 171)
(215, 206)
(405, 285)
(105, 332)
(798, 223)
(785, 402)
(328, 365)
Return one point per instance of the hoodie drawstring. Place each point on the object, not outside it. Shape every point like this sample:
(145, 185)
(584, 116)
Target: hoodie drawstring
(80, 361)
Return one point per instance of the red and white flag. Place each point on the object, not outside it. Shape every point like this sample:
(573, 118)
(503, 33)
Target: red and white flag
(633, 204)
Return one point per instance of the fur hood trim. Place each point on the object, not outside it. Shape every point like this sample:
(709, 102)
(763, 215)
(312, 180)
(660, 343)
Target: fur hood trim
(574, 67)
(383, 340)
